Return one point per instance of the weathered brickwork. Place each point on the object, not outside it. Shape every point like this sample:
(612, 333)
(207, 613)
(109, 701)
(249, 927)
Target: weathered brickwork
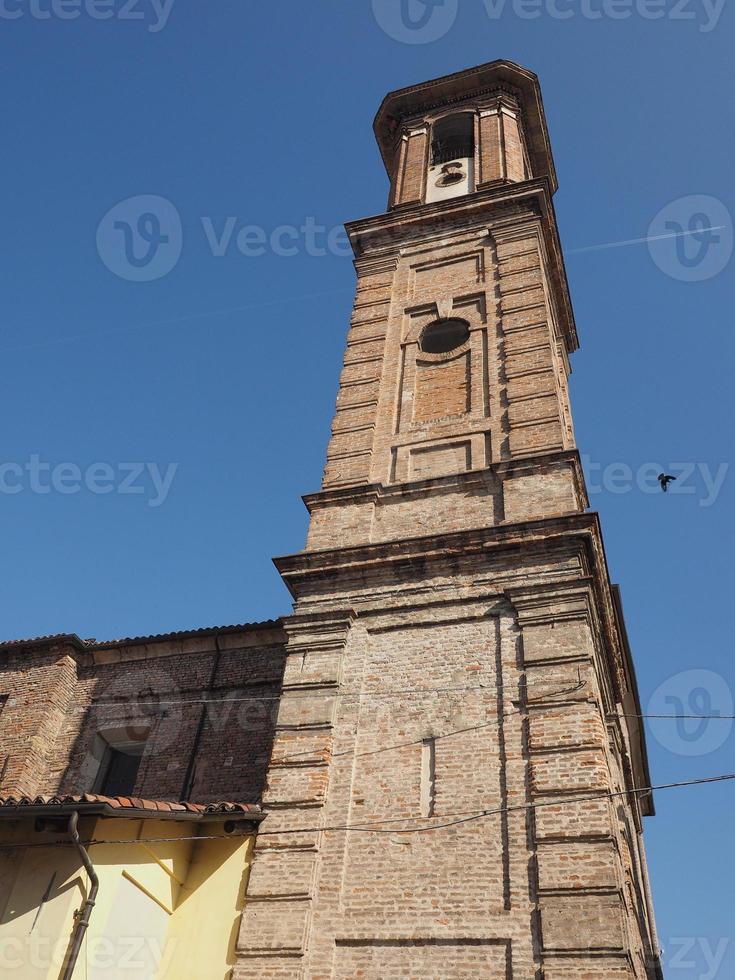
(438, 733)
(62, 695)
(501, 151)
(452, 792)
(497, 662)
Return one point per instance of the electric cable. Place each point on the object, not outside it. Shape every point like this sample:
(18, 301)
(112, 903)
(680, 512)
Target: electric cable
(377, 828)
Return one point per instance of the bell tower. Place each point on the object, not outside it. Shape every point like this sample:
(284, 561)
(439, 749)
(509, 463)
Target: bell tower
(458, 780)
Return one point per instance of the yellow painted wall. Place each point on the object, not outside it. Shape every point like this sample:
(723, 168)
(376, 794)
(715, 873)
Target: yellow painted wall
(164, 911)
(207, 918)
(34, 933)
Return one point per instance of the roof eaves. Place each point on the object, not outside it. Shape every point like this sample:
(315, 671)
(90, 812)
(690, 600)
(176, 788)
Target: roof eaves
(13, 808)
(74, 640)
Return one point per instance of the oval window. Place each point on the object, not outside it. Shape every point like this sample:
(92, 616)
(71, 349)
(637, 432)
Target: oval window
(444, 336)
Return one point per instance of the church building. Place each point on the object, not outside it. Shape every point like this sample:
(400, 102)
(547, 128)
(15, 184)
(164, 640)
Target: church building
(432, 767)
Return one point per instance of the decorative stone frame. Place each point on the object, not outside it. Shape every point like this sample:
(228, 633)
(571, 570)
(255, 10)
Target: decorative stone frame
(450, 355)
(430, 123)
(470, 428)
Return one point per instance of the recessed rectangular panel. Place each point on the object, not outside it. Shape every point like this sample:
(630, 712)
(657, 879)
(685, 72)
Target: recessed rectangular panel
(452, 272)
(423, 959)
(442, 389)
(451, 671)
(442, 460)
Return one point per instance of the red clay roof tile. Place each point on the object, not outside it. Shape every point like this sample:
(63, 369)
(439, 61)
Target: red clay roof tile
(119, 804)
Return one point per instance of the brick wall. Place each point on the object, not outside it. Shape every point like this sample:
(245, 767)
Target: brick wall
(501, 154)
(403, 415)
(497, 661)
(454, 646)
(59, 698)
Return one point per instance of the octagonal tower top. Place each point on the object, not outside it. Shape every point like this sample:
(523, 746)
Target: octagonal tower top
(465, 132)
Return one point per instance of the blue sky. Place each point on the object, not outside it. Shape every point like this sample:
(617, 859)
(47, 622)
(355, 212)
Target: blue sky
(227, 364)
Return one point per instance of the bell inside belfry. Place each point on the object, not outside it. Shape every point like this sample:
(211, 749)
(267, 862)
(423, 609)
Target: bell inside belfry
(451, 167)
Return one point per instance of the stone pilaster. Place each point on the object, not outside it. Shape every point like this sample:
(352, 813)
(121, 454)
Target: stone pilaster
(412, 168)
(502, 153)
(570, 691)
(277, 918)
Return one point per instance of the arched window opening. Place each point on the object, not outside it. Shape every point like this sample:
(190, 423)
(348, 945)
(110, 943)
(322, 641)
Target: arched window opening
(453, 139)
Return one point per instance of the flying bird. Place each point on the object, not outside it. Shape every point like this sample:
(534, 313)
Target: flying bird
(665, 479)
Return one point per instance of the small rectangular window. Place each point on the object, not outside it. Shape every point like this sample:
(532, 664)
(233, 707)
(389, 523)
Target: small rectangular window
(119, 769)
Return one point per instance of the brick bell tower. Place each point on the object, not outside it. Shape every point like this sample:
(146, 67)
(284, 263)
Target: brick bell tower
(456, 645)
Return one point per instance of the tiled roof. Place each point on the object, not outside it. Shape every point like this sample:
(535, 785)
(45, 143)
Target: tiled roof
(125, 806)
(188, 634)
(93, 644)
(48, 638)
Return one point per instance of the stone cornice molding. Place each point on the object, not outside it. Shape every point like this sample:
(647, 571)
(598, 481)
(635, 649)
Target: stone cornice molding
(301, 572)
(374, 265)
(323, 631)
(503, 102)
(375, 492)
(476, 97)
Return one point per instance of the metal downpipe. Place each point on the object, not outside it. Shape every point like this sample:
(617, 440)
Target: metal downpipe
(85, 913)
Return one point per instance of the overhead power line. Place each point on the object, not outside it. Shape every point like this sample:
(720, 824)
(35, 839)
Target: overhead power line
(294, 694)
(378, 827)
(301, 694)
(514, 809)
(545, 700)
